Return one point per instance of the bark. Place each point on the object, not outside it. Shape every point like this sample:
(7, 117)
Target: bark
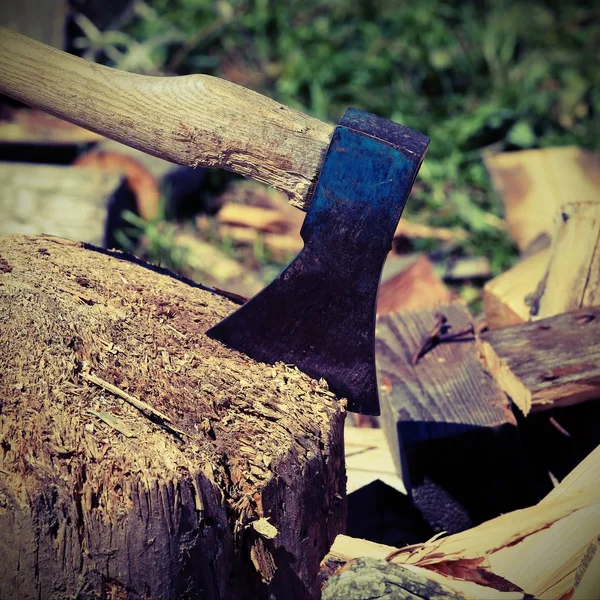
(141, 459)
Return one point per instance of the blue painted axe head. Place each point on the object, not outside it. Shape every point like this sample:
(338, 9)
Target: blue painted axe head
(319, 313)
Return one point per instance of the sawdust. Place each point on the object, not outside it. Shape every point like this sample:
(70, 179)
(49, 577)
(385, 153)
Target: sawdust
(68, 314)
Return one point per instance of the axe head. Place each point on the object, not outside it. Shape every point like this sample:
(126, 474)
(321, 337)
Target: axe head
(319, 313)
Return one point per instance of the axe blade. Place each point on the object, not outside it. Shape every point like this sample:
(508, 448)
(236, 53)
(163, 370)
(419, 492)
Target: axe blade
(319, 313)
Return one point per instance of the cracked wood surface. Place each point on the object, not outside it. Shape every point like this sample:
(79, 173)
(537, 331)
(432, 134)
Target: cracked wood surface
(572, 277)
(547, 363)
(166, 512)
(192, 120)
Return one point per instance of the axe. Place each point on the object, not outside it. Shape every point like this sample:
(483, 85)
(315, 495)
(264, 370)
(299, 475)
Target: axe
(352, 180)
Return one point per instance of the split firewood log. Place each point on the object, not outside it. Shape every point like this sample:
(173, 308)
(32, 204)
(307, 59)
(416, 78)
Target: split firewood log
(141, 459)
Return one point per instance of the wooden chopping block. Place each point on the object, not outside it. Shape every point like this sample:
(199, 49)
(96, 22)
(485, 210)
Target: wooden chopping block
(141, 458)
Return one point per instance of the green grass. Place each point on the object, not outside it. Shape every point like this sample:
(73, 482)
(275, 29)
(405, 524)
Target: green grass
(472, 75)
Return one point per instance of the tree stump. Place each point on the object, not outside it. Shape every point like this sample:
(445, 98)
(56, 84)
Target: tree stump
(138, 457)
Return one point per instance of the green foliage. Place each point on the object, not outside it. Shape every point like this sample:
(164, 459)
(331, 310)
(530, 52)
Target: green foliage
(154, 240)
(471, 74)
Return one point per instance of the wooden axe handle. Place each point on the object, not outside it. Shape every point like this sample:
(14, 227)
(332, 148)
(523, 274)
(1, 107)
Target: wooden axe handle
(192, 120)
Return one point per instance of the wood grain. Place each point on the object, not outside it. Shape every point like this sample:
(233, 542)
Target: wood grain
(89, 512)
(505, 298)
(445, 420)
(572, 277)
(192, 120)
(547, 363)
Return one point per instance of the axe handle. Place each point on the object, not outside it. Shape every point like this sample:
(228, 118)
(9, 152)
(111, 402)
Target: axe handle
(192, 120)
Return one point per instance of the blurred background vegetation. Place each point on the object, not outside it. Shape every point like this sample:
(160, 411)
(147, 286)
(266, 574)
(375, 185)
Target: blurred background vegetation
(474, 75)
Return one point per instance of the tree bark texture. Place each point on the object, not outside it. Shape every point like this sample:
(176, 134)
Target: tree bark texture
(138, 457)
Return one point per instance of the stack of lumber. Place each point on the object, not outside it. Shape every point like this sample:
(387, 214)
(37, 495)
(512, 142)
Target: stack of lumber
(471, 407)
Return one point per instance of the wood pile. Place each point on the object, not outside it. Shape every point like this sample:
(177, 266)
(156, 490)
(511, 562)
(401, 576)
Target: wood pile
(492, 422)
(148, 444)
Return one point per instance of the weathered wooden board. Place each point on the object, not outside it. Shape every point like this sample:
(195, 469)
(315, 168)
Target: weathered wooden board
(547, 363)
(450, 426)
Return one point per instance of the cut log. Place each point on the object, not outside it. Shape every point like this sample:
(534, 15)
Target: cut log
(410, 284)
(572, 277)
(141, 459)
(447, 420)
(534, 184)
(506, 298)
(62, 201)
(548, 363)
(368, 578)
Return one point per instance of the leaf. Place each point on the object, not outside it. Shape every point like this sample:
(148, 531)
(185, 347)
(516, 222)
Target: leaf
(521, 134)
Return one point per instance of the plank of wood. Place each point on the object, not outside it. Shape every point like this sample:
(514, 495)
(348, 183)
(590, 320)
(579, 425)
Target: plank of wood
(534, 184)
(58, 200)
(453, 436)
(410, 284)
(505, 298)
(547, 363)
(193, 120)
(572, 277)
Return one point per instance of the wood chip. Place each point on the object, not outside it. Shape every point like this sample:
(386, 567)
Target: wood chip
(114, 422)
